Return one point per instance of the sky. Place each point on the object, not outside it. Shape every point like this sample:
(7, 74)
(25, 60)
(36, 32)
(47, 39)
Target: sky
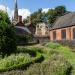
(26, 7)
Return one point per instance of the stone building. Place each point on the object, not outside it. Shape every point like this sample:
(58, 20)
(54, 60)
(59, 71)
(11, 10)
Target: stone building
(17, 21)
(42, 32)
(22, 32)
(42, 29)
(64, 28)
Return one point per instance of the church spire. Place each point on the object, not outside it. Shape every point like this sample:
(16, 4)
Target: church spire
(15, 11)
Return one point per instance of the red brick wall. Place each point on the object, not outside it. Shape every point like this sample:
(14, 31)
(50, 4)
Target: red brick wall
(58, 34)
(51, 35)
(69, 33)
(72, 32)
(19, 18)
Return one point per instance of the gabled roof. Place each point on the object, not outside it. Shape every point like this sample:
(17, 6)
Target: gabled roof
(20, 30)
(20, 24)
(65, 21)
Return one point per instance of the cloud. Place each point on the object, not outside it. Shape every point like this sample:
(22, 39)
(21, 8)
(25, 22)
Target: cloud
(45, 10)
(22, 12)
(2, 7)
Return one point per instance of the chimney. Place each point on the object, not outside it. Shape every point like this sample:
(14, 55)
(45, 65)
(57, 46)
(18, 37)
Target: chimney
(19, 18)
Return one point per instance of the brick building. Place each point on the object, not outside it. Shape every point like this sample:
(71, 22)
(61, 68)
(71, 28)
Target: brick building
(64, 28)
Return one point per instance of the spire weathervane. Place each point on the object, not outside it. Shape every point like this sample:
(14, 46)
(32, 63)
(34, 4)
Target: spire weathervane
(15, 19)
(15, 10)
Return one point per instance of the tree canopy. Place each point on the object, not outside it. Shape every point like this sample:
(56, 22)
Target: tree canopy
(48, 17)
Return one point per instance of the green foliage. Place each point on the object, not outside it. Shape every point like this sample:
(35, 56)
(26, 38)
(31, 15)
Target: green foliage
(7, 40)
(36, 17)
(53, 45)
(26, 20)
(19, 60)
(56, 65)
(14, 61)
(22, 40)
(7, 35)
(56, 60)
(60, 10)
(52, 16)
(48, 17)
(4, 17)
(66, 52)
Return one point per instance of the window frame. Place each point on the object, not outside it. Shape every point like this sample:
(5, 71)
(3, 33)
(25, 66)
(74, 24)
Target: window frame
(73, 33)
(54, 35)
(63, 34)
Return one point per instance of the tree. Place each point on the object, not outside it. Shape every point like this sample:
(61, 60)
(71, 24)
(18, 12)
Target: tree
(48, 17)
(52, 16)
(7, 35)
(36, 17)
(61, 10)
(25, 21)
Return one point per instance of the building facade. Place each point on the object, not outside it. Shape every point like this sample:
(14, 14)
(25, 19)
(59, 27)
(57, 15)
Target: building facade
(42, 32)
(64, 28)
(42, 29)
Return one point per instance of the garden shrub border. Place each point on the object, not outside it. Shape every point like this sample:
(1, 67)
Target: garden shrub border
(38, 58)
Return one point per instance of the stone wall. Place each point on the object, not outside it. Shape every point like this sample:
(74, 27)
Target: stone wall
(42, 39)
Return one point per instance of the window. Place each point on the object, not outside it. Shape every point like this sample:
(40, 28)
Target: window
(63, 34)
(73, 33)
(54, 35)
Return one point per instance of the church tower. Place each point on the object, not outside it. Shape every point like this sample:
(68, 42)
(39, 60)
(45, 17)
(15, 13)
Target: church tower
(15, 18)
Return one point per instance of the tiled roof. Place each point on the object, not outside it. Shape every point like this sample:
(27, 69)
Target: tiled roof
(22, 30)
(65, 21)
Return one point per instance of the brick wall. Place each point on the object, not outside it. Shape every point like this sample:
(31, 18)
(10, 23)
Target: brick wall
(51, 35)
(69, 33)
(72, 33)
(58, 34)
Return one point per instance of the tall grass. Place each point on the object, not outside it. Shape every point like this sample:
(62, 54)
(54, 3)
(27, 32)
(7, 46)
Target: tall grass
(65, 51)
(13, 61)
(56, 65)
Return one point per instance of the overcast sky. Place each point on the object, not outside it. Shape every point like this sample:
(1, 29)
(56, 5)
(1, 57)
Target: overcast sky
(26, 7)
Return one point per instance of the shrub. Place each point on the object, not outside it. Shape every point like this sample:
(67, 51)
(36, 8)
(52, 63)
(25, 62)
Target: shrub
(53, 45)
(57, 65)
(13, 61)
(21, 40)
(7, 40)
(7, 35)
(18, 61)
